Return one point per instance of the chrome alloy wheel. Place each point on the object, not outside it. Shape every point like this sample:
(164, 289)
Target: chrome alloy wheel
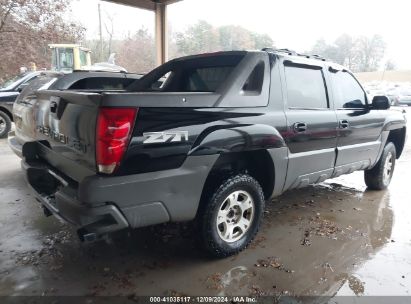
(235, 216)
(388, 166)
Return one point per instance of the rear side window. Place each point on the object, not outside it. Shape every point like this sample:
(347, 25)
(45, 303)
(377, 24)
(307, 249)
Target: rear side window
(205, 79)
(204, 73)
(102, 83)
(348, 94)
(305, 88)
(254, 83)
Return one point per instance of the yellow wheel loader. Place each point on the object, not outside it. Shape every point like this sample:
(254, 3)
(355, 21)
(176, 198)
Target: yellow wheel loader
(69, 57)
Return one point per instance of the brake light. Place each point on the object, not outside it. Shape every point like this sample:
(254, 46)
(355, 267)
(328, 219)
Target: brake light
(114, 126)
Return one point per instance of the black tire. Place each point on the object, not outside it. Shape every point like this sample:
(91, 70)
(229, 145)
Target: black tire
(213, 203)
(5, 124)
(375, 179)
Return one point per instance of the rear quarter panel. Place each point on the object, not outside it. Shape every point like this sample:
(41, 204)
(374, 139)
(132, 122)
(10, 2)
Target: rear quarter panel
(210, 131)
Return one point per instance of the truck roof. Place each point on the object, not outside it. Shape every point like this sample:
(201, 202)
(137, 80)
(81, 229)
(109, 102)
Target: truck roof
(308, 58)
(68, 45)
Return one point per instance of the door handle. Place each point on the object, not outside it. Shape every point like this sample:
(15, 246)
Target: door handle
(300, 127)
(344, 124)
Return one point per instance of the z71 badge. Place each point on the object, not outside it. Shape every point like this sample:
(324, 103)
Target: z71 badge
(163, 137)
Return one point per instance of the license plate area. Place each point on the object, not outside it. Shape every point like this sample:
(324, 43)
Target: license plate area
(42, 181)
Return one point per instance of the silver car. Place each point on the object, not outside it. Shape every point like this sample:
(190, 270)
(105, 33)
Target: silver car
(404, 97)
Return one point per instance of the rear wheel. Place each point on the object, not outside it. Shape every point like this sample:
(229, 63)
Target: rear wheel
(230, 218)
(5, 124)
(379, 177)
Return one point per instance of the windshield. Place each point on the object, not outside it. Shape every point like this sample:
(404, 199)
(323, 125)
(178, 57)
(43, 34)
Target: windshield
(8, 83)
(63, 59)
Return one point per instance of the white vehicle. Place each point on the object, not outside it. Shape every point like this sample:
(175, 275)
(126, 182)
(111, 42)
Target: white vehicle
(404, 97)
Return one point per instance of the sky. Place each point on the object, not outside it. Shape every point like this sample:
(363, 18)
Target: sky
(296, 24)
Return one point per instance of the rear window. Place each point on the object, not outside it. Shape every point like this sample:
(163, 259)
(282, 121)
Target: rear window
(205, 73)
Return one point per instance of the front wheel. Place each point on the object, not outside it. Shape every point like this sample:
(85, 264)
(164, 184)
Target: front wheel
(379, 177)
(230, 218)
(5, 124)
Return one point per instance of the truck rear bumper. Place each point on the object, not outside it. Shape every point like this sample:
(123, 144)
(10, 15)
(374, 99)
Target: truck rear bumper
(99, 204)
(58, 197)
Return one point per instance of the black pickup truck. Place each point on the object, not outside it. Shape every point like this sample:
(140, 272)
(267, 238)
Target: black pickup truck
(223, 134)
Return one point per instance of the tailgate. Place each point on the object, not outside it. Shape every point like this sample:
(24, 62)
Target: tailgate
(65, 124)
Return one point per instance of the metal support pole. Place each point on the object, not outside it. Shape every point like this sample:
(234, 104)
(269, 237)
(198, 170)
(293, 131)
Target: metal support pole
(100, 32)
(161, 33)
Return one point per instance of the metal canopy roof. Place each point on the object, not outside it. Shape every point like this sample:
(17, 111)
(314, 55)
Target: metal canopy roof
(144, 4)
(159, 7)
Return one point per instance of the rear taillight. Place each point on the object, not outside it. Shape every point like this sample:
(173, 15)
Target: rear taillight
(114, 126)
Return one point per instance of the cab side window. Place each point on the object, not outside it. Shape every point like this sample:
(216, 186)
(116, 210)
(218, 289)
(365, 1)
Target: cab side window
(25, 84)
(348, 94)
(305, 88)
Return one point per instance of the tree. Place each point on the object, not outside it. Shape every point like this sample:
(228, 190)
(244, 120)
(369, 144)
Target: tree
(262, 41)
(235, 38)
(346, 51)
(27, 26)
(321, 48)
(137, 53)
(370, 53)
(360, 54)
(390, 65)
(201, 37)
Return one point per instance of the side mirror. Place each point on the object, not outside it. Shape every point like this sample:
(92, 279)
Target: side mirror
(380, 103)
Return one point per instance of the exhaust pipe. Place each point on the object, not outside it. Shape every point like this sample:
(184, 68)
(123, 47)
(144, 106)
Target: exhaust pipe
(46, 211)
